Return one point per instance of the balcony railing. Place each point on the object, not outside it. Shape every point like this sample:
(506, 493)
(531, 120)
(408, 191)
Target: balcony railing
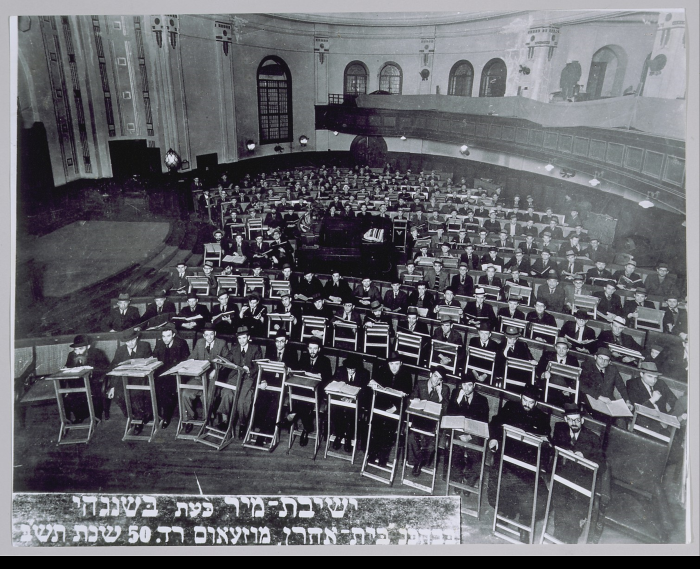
(341, 99)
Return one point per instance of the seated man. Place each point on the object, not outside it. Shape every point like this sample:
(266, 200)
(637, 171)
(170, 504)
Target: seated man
(178, 283)
(660, 284)
(395, 299)
(422, 447)
(599, 380)
(627, 279)
(160, 307)
(84, 354)
(123, 316)
(675, 319)
(484, 342)
(257, 251)
(141, 408)
(421, 298)
(639, 301)
(492, 225)
(570, 508)
(353, 373)
(615, 337)
(479, 311)
(561, 356)
(469, 257)
(207, 348)
(366, 292)
(490, 279)
(253, 315)
(572, 267)
(511, 348)
(445, 333)
(542, 266)
(511, 311)
(541, 316)
(466, 402)
(281, 251)
(515, 278)
(336, 288)
(595, 252)
(552, 295)
(596, 275)
(437, 278)
(649, 391)
(462, 283)
(581, 336)
(307, 286)
(208, 270)
(493, 258)
(171, 350)
(392, 375)
(503, 239)
(193, 316)
(224, 315)
(609, 304)
(516, 493)
(517, 262)
(571, 291)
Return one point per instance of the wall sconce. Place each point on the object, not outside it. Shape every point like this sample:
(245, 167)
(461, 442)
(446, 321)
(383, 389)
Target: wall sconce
(250, 145)
(464, 150)
(524, 70)
(403, 137)
(647, 203)
(335, 133)
(549, 167)
(595, 181)
(279, 149)
(303, 140)
(172, 160)
(566, 173)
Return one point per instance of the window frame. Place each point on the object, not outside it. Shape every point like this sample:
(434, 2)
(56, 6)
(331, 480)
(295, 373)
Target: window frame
(264, 130)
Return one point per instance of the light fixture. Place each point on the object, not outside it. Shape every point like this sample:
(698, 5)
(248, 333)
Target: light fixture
(303, 140)
(279, 149)
(464, 150)
(172, 160)
(335, 133)
(594, 182)
(647, 203)
(250, 145)
(549, 167)
(403, 137)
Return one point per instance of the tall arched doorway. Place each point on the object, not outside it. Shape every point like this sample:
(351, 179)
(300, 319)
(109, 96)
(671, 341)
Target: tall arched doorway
(369, 150)
(607, 74)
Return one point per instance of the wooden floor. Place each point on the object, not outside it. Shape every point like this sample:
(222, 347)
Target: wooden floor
(167, 466)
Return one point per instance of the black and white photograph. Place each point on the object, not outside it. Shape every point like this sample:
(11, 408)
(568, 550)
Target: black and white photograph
(355, 278)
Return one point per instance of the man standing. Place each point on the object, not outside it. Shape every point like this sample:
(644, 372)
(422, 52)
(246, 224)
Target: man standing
(315, 363)
(352, 373)
(84, 354)
(123, 316)
(421, 447)
(171, 350)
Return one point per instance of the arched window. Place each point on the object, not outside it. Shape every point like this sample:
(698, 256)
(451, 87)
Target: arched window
(607, 73)
(390, 79)
(274, 100)
(461, 79)
(355, 78)
(493, 79)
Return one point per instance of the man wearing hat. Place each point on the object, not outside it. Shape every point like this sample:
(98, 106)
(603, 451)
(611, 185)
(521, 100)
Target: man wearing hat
(352, 373)
(466, 402)
(615, 337)
(313, 361)
(336, 288)
(178, 282)
(413, 325)
(573, 290)
(366, 292)
(307, 286)
(193, 316)
(123, 316)
(648, 390)
(318, 309)
(462, 283)
(131, 349)
(421, 298)
(627, 279)
(511, 348)
(347, 312)
(478, 311)
(422, 447)
(572, 267)
(395, 299)
(437, 278)
(224, 315)
(376, 316)
(253, 314)
(639, 301)
(490, 279)
(561, 356)
(529, 247)
(171, 350)
(461, 240)
(675, 319)
(491, 224)
(542, 266)
(553, 294)
(516, 278)
(282, 252)
(492, 257)
(517, 262)
(207, 348)
(540, 315)
(517, 484)
(512, 228)
(160, 309)
(609, 304)
(449, 301)
(470, 258)
(503, 239)
(208, 270)
(599, 379)
(286, 306)
(529, 215)
(660, 284)
(256, 250)
(511, 311)
(446, 333)
(570, 508)
(393, 375)
(83, 354)
(599, 273)
(553, 229)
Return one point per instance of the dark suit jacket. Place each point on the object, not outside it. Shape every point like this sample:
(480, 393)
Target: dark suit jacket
(569, 331)
(397, 303)
(631, 306)
(428, 300)
(341, 290)
(187, 312)
(142, 350)
(523, 266)
(152, 310)
(505, 311)
(587, 443)
(252, 353)
(471, 313)
(219, 348)
(520, 351)
(638, 394)
(553, 301)
(354, 316)
(115, 320)
(307, 288)
(513, 414)
(539, 269)
(94, 358)
(595, 384)
(361, 380)
(612, 304)
(321, 366)
(454, 336)
(484, 280)
(681, 324)
(551, 356)
(478, 410)
(289, 357)
(466, 289)
(178, 352)
(420, 391)
(605, 338)
(472, 260)
(547, 318)
(373, 292)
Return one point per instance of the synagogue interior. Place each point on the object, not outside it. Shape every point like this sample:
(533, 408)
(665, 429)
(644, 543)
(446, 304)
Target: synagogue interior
(391, 254)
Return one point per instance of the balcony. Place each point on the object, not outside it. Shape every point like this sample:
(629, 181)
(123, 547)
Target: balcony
(584, 137)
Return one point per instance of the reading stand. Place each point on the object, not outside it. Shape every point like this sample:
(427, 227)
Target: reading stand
(70, 377)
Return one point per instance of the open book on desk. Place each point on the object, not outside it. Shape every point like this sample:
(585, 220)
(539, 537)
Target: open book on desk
(427, 406)
(238, 259)
(69, 371)
(342, 388)
(189, 368)
(616, 408)
(220, 316)
(469, 426)
(188, 318)
(221, 360)
(139, 363)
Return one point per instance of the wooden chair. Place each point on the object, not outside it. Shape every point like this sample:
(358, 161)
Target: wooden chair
(227, 283)
(377, 336)
(349, 335)
(309, 324)
(549, 333)
(253, 227)
(277, 288)
(253, 283)
(522, 367)
(409, 346)
(587, 303)
(212, 252)
(521, 325)
(522, 293)
(480, 361)
(440, 351)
